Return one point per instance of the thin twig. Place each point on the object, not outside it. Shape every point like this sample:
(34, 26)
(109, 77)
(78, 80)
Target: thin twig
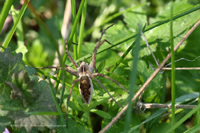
(182, 68)
(183, 59)
(141, 105)
(105, 76)
(149, 47)
(143, 88)
(166, 114)
(187, 68)
(67, 68)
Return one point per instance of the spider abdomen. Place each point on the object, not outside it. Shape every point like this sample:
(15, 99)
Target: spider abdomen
(86, 88)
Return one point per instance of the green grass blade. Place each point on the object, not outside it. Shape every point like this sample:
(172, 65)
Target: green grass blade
(5, 12)
(83, 18)
(196, 128)
(57, 106)
(188, 115)
(173, 67)
(132, 80)
(42, 113)
(75, 25)
(19, 33)
(8, 38)
(121, 58)
(197, 117)
(73, 5)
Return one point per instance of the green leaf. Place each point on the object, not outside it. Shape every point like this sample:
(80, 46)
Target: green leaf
(22, 94)
(30, 70)
(8, 67)
(160, 35)
(36, 56)
(3, 122)
(75, 127)
(119, 126)
(101, 66)
(135, 17)
(152, 93)
(101, 113)
(73, 106)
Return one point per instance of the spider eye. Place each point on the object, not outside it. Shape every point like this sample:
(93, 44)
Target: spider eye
(81, 69)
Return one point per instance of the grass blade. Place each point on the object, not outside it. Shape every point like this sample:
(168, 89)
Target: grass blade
(57, 106)
(188, 115)
(4, 12)
(132, 80)
(173, 67)
(8, 38)
(83, 18)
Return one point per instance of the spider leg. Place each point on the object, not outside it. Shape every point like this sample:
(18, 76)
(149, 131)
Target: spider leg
(71, 70)
(105, 76)
(105, 89)
(70, 57)
(74, 82)
(47, 67)
(67, 68)
(92, 63)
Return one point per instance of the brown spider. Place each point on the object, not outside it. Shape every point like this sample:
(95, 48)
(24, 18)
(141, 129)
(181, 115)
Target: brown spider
(85, 73)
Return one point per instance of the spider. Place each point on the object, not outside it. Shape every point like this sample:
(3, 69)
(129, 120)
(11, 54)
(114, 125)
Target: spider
(84, 73)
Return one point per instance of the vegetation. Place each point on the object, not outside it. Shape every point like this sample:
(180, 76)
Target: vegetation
(31, 99)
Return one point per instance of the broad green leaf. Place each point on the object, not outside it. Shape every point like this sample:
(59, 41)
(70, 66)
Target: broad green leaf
(73, 106)
(36, 55)
(22, 94)
(101, 66)
(101, 113)
(75, 127)
(135, 17)
(4, 121)
(160, 35)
